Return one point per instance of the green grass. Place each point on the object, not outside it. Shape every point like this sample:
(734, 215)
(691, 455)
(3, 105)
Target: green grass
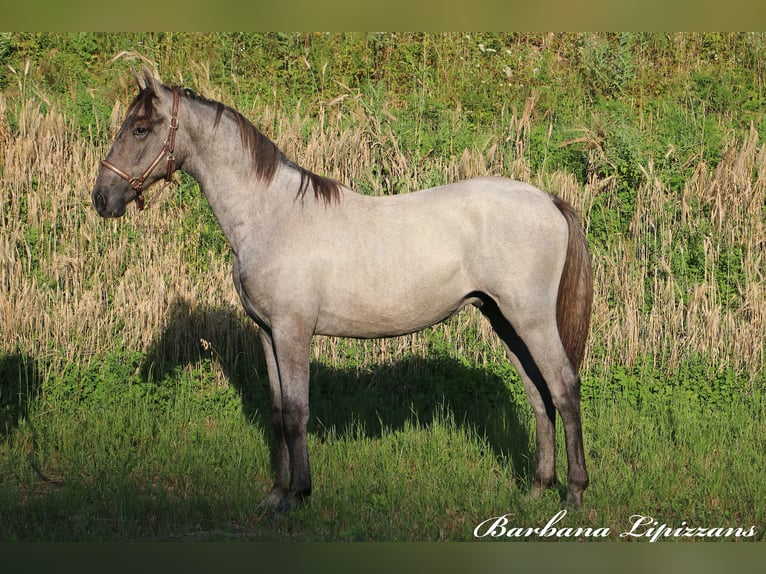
(182, 458)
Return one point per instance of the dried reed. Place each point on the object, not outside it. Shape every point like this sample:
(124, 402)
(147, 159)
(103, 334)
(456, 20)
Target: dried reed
(72, 285)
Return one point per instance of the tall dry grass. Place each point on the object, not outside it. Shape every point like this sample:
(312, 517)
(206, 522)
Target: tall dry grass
(73, 286)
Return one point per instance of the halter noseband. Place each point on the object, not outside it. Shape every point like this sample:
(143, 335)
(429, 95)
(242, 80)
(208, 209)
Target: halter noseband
(137, 183)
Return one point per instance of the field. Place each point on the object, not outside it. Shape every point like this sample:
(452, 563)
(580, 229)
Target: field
(133, 393)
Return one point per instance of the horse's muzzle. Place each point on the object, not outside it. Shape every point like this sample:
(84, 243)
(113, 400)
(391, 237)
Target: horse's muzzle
(105, 207)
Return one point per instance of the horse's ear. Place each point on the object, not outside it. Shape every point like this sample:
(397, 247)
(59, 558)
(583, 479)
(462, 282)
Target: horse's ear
(140, 81)
(149, 81)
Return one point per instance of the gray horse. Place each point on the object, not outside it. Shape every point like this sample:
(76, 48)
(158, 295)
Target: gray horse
(312, 257)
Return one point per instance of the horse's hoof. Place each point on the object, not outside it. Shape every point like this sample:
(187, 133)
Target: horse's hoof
(574, 498)
(277, 503)
(287, 504)
(271, 502)
(540, 487)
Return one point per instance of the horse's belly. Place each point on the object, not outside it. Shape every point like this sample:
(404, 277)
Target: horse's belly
(385, 308)
(381, 321)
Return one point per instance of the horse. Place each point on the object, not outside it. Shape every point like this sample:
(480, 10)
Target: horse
(312, 257)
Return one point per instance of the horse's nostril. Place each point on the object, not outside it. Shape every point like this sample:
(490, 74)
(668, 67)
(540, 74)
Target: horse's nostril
(99, 200)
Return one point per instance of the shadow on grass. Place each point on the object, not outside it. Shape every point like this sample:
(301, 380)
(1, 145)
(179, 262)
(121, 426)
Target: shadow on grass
(415, 389)
(20, 383)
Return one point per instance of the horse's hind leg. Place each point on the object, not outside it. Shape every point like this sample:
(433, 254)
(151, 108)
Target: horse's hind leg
(539, 398)
(563, 383)
(545, 420)
(538, 349)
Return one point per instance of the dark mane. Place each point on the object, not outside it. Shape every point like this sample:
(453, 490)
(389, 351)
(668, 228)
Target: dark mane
(266, 157)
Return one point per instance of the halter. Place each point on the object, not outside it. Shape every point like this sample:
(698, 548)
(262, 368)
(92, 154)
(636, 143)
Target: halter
(137, 183)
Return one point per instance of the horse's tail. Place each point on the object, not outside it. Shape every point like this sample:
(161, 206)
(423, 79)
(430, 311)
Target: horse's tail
(575, 297)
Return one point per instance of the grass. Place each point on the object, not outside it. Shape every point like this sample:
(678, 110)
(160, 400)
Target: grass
(123, 465)
(132, 389)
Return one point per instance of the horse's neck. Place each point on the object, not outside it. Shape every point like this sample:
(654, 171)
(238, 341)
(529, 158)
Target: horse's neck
(243, 204)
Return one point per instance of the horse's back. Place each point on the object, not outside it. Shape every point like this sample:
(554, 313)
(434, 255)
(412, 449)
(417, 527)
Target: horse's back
(497, 201)
(400, 263)
(494, 216)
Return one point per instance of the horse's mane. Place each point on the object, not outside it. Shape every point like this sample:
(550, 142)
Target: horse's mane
(265, 156)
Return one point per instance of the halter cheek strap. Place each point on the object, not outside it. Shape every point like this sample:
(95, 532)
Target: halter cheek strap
(137, 183)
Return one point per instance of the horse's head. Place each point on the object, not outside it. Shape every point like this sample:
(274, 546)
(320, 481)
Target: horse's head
(143, 150)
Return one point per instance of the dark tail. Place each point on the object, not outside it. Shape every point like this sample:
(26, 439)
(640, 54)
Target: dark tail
(575, 298)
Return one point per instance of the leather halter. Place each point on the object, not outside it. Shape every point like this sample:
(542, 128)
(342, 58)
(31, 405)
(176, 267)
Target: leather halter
(137, 183)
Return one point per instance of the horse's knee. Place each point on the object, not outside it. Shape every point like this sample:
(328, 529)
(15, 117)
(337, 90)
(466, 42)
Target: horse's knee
(565, 392)
(277, 422)
(295, 419)
(288, 420)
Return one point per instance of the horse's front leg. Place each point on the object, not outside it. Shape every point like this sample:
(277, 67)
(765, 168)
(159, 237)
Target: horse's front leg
(281, 458)
(287, 359)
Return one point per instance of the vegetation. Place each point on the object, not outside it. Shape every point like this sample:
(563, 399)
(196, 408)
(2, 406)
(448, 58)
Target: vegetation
(133, 396)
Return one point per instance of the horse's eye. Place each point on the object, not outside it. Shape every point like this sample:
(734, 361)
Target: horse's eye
(140, 131)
